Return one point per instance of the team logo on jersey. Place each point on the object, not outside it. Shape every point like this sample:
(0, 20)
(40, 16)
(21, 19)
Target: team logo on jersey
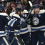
(35, 21)
(39, 15)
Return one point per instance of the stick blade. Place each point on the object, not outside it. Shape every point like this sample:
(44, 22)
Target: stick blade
(30, 3)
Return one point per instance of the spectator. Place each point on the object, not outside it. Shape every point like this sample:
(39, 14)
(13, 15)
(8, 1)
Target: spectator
(12, 6)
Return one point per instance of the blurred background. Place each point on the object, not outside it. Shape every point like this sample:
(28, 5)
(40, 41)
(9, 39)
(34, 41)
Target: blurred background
(9, 3)
(40, 2)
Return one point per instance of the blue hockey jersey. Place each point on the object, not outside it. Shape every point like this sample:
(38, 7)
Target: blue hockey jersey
(38, 21)
(3, 21)
(15, 24)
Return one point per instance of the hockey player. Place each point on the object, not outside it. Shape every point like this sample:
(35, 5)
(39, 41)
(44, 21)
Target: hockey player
(24, 34)
(3, 21)
(24, 30)
(37, 25)
(14, 25)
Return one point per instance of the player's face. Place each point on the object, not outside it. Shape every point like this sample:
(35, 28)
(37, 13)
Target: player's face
(36, 10)
(22, 12)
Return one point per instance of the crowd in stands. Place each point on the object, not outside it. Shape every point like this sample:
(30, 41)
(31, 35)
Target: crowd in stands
(10, 6)
(40, 2)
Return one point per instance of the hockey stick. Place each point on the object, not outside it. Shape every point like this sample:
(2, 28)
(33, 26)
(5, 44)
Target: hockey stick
(16, 37)
(31, 9)
(21, 27)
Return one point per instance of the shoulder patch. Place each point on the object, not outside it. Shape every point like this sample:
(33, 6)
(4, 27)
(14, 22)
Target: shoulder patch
(16, 15)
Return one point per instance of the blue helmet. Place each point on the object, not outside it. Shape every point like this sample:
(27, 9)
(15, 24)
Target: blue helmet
(36, 6)
(19, 9)
(1, 7)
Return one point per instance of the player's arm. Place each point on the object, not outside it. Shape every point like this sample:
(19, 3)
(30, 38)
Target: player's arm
(14, 23)
(5, 19)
